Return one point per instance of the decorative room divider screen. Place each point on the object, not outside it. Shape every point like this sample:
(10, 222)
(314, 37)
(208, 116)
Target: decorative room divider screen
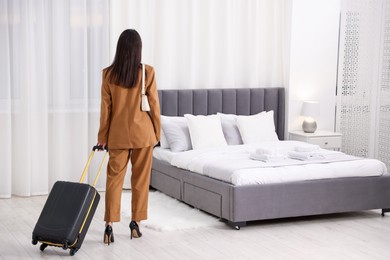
(363, 103)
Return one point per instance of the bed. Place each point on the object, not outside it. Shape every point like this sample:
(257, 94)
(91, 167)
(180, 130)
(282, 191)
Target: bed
(240, 204)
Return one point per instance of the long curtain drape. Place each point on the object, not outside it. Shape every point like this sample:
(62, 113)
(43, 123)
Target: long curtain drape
(364, 79)
(52, 54)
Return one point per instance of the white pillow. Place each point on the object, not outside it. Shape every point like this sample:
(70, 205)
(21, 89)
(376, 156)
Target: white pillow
(205, 131)
(257, 128)
(163, 140)
(230, 129)
(176, 131)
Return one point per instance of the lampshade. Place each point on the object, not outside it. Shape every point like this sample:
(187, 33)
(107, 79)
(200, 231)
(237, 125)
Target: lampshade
(310, 108)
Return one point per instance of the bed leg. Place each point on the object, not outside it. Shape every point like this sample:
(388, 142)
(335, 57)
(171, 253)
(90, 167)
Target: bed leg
(384, 211)
(236, 225)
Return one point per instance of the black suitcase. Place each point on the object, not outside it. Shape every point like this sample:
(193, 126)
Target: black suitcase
(68, 212)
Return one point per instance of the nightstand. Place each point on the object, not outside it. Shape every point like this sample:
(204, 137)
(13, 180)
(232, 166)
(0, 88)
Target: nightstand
(325, 139)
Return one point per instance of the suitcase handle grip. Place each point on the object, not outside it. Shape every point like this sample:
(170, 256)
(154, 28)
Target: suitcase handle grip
(96, 147)
(99, 147)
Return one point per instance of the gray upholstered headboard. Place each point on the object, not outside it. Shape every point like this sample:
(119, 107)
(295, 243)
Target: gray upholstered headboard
(242, 101)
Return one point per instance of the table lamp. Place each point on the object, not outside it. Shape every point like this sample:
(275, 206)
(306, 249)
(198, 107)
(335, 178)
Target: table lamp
(310, 109)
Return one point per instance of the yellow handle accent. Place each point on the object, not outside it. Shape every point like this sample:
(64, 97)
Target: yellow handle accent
(86, 216)
(100, 169)
(87, 166)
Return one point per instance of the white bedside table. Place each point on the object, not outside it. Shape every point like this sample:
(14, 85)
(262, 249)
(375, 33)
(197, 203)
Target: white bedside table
(325, 139)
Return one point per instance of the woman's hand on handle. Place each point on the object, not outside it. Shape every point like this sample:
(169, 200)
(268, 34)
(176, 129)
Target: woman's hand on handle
(104, 145)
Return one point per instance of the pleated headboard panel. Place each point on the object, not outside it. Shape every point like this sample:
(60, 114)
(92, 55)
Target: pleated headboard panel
(242, 101)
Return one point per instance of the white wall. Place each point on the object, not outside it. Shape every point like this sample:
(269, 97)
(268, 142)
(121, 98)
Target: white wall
(313, 60)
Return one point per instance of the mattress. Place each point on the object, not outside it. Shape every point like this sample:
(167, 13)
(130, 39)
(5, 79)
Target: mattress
(232, 164)
(162, 154)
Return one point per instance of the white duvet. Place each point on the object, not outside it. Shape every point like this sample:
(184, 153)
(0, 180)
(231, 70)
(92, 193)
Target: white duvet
(233, 164)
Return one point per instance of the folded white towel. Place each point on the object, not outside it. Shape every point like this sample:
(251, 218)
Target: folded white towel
(267, 157)
(306, 156)
(307, 148)
(262, 150)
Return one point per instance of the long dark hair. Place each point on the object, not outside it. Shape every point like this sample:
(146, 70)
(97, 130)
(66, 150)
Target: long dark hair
(124, 69)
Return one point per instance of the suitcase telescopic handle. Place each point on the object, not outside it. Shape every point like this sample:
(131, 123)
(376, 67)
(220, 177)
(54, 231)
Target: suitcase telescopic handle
(96, 147)
(99, 147)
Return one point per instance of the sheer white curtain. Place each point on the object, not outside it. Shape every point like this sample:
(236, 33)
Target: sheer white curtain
(52, 53)
(209, 44)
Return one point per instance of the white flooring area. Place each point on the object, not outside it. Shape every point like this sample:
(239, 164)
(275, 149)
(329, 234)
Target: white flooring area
(358, 235)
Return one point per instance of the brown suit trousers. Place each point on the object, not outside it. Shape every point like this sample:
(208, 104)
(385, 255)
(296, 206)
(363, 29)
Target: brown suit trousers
(141, 160)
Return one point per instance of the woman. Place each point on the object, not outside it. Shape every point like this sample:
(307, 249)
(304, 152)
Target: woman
(128, 132)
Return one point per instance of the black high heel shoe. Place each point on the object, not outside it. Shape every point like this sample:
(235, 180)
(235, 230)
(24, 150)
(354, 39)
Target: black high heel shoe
(134, 230)
(108, 235)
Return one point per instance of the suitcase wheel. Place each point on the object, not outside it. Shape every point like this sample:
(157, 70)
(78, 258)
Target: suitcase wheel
(34, 240)
(65, 245)
(43, 246)
(73, 251)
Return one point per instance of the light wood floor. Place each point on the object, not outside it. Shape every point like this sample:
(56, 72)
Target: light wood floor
(360, 235)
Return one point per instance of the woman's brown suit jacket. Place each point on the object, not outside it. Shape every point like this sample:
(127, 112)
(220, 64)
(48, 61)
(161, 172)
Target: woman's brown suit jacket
(123, 125)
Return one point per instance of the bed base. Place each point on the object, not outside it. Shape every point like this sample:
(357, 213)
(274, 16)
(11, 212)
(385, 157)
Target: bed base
(385, 211)
(236, 225)
(239, 225)
(240, 204)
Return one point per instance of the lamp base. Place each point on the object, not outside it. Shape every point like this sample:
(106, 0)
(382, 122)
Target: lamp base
(309, 126)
